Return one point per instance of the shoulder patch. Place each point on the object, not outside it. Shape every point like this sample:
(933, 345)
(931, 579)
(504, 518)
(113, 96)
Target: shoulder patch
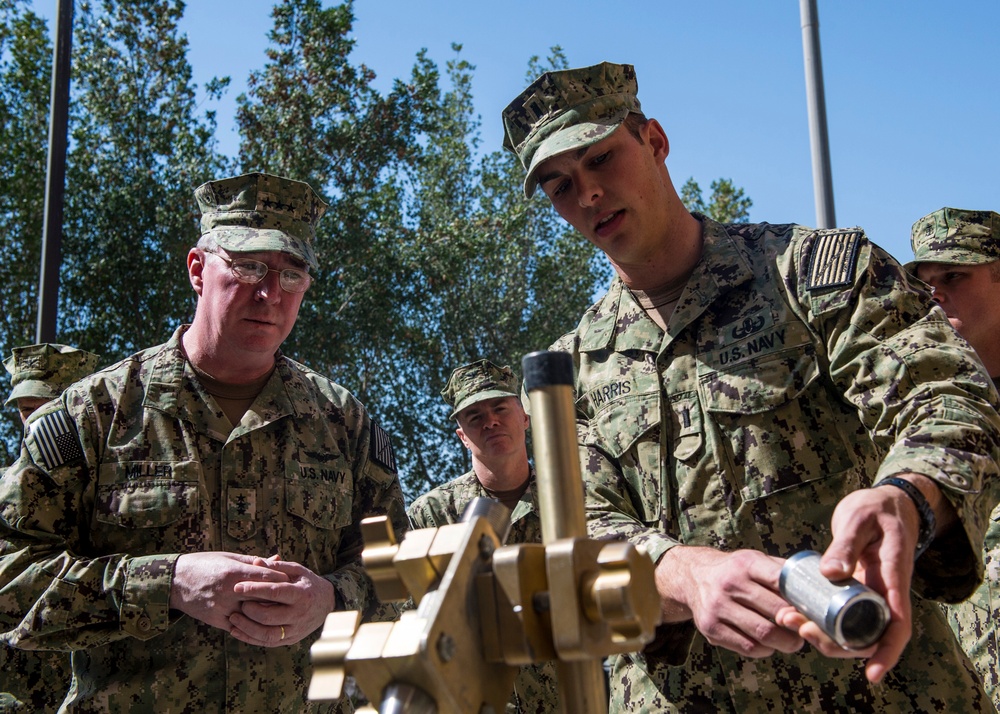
(55, 436)
(834, 255)
(380, 448)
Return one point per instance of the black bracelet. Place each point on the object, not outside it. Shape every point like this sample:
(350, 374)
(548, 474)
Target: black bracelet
(928, 523)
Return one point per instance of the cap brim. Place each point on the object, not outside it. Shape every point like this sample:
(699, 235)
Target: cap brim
(479, 397)
(264, 240)
(34, 389)
(575, 136)
(972, 259)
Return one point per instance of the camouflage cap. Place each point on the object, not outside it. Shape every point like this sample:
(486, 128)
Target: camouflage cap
(956, 237)
(261, 212)
(45, 370)
(477, 381)
(565, 110)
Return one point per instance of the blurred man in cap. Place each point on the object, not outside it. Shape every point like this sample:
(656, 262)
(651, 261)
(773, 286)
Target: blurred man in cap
(41, 372)
(184, 520)
(492, 425)
(957, 253)
(740, 389)
(37, 681)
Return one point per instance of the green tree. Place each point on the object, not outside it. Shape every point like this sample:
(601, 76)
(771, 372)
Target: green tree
(25, 67)
(493, 275)
(728, 204)
(138, 150)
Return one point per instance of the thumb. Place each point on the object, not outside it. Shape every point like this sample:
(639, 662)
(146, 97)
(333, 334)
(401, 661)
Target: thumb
(840, 559)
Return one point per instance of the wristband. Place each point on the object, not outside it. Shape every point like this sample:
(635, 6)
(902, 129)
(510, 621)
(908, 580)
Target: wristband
(928, 523)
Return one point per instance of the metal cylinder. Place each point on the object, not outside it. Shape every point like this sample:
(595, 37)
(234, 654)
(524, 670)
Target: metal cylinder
(849, 612)
(548, 379)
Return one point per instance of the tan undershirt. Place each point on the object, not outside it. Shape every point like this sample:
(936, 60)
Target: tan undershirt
(509, 498)
(660, 302)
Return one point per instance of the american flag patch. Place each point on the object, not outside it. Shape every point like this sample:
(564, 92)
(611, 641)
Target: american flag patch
(55, 437)
(381, 448)
(831, 264)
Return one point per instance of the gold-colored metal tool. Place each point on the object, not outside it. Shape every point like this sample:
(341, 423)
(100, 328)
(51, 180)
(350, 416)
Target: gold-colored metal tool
(483, 608)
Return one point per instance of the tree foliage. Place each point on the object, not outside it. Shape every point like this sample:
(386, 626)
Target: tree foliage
(137, 148)
(727, 204)
(25, 61)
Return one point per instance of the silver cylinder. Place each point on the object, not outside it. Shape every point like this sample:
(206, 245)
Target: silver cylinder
(849, 612)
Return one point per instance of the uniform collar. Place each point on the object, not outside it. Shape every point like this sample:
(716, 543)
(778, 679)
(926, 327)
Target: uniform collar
(173, 388)
(620, 323)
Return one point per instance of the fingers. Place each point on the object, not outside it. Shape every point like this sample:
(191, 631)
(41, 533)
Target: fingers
(810, 632)
(279, 592)
(253, 632)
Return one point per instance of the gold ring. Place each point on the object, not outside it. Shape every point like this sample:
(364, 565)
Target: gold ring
(282, 631)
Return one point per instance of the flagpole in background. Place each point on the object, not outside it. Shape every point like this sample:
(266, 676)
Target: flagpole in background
(818, 139)
(55, 176)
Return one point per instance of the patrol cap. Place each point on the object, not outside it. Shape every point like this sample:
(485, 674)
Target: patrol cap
(45, 370)
(260, 212)
(956, 237)
(476, 382)
(565, 110)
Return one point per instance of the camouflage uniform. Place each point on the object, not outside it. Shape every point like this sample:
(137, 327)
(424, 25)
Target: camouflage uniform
(536, 688)
(145, 469)
(798, 366)
(960, 237)
(37, 681)
(137, 465)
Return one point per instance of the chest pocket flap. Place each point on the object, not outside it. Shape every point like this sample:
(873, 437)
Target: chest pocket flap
(147, 494)
(320, 494)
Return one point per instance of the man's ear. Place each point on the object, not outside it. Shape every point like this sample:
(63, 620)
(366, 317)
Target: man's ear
(656, 138)
(196, 267)
(464, 439)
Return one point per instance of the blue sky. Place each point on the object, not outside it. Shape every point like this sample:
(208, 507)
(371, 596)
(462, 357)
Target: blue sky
(912, 88)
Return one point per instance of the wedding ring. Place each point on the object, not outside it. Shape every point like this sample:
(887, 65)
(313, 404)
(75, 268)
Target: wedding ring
(282, 631)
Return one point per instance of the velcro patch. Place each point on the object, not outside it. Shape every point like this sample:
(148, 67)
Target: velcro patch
(381, 448)
(834, 255)
(55, 436)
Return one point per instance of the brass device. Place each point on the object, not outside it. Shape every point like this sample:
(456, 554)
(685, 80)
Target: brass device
(483, 608)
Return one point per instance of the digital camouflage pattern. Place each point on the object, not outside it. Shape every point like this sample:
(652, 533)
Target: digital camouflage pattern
(37, 681)
(975, 620)
(259, 212)
(961, 237)
(956, 236)
(46, 369)
(798, 366)
(536, 689)
(136, 465)
(477, 382)
(565, 110)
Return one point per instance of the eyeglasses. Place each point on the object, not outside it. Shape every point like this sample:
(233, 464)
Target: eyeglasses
(252, 272)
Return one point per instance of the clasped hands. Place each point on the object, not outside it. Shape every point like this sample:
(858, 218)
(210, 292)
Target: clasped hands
(267, 602)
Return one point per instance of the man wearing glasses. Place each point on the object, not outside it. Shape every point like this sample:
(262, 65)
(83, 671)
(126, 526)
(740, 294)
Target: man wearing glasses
(185, 520)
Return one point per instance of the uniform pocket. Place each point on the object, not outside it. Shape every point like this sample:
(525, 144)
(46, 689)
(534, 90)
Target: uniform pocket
(147, 494)
(628, 430)
(319, 494)
(777, 421)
